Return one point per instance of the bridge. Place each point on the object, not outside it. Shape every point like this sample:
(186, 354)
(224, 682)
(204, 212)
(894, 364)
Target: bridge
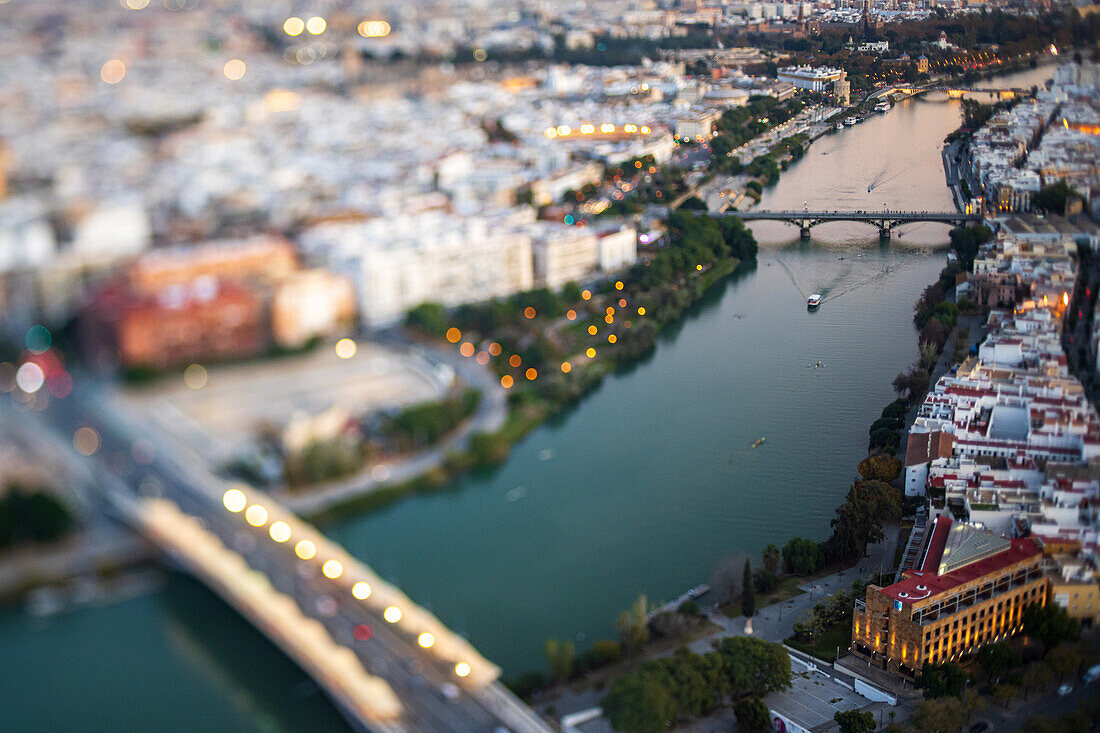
(885, 220)
(388, 665)
(952, 90)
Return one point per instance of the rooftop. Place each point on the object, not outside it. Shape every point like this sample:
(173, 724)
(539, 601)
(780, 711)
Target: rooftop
(958, 554)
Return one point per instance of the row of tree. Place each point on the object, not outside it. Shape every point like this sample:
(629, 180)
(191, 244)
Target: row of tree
(686, 685)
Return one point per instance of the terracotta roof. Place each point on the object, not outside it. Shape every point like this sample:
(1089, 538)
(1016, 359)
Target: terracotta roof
(925, 447)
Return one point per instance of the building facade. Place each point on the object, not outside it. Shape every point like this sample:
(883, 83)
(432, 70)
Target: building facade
(971, 589)
(563, 254)
(813, 78)
(205, 321)
(311, 304)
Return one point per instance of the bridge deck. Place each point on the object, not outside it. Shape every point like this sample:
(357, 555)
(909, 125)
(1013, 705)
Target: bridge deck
(872, 216)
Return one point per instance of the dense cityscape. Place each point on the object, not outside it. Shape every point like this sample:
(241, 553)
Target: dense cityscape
(470, 366)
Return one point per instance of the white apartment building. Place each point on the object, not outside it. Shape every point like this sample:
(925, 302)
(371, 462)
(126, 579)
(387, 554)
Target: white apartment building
(813, 78)
(397, 264)
(549, 189)
(697, 125)
(563, 253)
(618, 248)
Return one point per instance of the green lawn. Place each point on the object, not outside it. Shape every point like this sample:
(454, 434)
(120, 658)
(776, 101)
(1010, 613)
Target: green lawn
(825, 646)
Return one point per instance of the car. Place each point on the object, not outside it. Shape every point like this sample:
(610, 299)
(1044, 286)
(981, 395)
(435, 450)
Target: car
(980, 727)
(1065, 689)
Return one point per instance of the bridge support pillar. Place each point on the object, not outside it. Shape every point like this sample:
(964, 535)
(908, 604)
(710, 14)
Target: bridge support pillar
(804, 230)
(884, 231)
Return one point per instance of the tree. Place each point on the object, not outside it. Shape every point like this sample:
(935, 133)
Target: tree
(639, 703)
(1053, 199)
(853, 721)
(912, 384)
(763, 581)
(633, 625)
(942, 680)
(753, 716)
(694, 203)
(601, 654)
(1005, 693)
(561, 655)
(755, 666)
(939, 716)
(896, 409)
(929, 353)
(996, 659)
(1066, 658)
(966, 241)
(773, 559)
(880, 467)
(429, 317)
(802, 556)
(1038, 675)
(860, 518)
(748, 598)
(1050, 624)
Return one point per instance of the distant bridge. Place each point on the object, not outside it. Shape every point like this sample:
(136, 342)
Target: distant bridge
(885, 220)
(952, 90)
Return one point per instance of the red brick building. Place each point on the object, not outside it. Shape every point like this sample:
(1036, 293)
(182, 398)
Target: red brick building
(204, 321)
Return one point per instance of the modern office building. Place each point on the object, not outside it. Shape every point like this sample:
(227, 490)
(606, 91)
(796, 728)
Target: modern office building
(970, 589)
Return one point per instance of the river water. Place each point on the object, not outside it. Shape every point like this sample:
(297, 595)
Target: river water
(645, 487)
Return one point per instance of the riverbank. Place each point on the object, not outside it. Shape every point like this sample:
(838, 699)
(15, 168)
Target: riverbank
(529, 403)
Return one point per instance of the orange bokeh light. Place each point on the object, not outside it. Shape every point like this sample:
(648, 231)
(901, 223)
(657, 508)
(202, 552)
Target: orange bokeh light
(514, 360)
(571, 314)
(506, 381)
(467, 349)
(453, 335)
(529, 312)
(566, 367)
(532, 373)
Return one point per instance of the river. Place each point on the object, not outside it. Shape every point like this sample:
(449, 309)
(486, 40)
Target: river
(644, 487)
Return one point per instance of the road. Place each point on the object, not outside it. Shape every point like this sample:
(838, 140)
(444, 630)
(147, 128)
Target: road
(418, 678)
